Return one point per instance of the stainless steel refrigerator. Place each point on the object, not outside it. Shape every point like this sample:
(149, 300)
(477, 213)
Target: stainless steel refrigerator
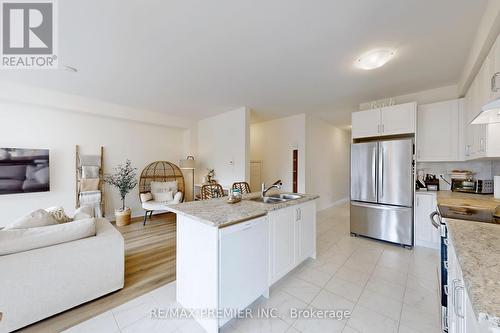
(382, 190)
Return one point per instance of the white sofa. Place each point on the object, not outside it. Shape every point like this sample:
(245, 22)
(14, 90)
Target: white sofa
(39, 283)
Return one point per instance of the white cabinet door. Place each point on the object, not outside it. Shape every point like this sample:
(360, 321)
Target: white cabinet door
(305, 224)
(398, 119)
(366, 123)
(425, 233)
(282, 242)
(438, 132)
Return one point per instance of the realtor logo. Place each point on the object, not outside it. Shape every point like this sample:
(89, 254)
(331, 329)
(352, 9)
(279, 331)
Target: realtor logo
(28, 34)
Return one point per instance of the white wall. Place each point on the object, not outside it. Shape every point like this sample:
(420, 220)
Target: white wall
(31, 126)
(273, 142)
(327, 164)
(223, 145)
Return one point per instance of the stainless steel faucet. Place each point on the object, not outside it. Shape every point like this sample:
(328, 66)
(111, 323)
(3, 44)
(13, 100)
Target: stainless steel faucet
(277, 184)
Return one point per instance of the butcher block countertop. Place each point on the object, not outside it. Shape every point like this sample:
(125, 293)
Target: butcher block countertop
(467, 200)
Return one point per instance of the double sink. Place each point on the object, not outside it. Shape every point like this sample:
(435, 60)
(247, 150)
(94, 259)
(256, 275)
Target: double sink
(277, 198)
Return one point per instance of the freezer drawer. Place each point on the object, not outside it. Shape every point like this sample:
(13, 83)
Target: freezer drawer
(388, 223)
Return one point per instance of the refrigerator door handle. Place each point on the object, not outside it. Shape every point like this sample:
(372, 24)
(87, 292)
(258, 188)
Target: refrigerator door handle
(374, 171)
(381, 173)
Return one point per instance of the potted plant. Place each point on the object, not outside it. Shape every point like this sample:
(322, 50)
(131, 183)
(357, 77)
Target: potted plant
(124, 179)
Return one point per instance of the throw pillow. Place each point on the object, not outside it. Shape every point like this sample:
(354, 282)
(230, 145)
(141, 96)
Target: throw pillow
(58, 214)
(84, 212)
(145, 197)
(38, 218)
(178, 197)
(163, 196)
(158, 187)
(89, 171)
(89, 184)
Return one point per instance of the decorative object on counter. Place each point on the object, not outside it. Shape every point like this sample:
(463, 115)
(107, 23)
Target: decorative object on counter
(243, 187)
(211, 191)
(189, 164)
(496, 187)
(431, 182)
(209, 178)
(234, 196)
(24, 170)
(124, 179)
(90, 181)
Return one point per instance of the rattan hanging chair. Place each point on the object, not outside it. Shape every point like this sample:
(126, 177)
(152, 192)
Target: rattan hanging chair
(160, 171)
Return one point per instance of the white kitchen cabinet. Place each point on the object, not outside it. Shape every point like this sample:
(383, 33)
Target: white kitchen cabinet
(282, 242)
(398, 119)
(439, 131)
(426, 234)
(461, 316)
(390, 120)
(366, 123)
(292, 238)
(305, 231)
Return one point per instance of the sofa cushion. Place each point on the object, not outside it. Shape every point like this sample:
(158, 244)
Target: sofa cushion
(38, 218)
(19, 240)
(155, 205)
(58, 214)
(163, 196)
(83, 212)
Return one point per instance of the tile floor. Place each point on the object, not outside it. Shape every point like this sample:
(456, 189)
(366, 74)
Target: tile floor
(387, 288)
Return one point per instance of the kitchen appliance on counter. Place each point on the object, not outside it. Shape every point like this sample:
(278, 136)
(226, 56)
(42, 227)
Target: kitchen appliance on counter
(382, 190)
(431, 182)
(478, 186)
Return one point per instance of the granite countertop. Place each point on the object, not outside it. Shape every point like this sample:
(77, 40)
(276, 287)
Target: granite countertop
(219, 213)
(477, 246)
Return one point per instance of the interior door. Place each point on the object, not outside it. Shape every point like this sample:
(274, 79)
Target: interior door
(395, 176)
(364, 172)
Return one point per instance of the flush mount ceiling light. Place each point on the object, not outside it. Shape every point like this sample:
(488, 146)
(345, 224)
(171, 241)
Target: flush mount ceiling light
(375, 58)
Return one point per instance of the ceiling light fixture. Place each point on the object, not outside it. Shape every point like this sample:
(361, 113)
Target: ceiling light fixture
(375, 58)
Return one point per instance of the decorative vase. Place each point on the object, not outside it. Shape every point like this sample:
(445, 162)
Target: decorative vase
(123, 216)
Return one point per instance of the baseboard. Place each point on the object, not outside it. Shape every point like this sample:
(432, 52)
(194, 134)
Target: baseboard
(335, 203)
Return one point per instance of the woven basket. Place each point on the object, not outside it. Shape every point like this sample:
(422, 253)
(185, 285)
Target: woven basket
(122, 217)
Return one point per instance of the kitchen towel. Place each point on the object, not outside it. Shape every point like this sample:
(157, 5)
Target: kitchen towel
(94, 160)
(90, 171)
(91, 199)
(496, 187)
(89, 184)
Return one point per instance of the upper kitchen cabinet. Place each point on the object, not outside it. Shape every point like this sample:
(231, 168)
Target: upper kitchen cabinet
(398, 119)
(482, 141)
(439, 129)
(366, 123)
(390, 120)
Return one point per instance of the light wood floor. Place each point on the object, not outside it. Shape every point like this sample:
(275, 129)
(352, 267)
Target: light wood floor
(149, 264)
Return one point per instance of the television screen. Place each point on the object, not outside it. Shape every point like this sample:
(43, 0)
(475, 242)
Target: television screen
(24, 170)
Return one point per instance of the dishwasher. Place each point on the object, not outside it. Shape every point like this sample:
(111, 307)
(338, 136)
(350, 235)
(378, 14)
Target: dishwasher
(243, 264)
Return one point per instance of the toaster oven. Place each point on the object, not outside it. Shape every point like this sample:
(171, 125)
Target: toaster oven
(479, 186)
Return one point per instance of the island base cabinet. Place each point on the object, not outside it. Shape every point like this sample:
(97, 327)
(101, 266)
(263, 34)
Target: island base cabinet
(221, 269)
(292, 238)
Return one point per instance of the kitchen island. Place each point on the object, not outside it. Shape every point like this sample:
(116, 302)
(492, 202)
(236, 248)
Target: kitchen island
(228, 255)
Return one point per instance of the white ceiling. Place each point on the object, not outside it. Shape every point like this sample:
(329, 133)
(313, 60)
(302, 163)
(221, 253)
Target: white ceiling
(199, 58)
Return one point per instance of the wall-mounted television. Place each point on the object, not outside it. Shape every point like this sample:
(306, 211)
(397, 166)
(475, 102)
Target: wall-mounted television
(24, 170)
